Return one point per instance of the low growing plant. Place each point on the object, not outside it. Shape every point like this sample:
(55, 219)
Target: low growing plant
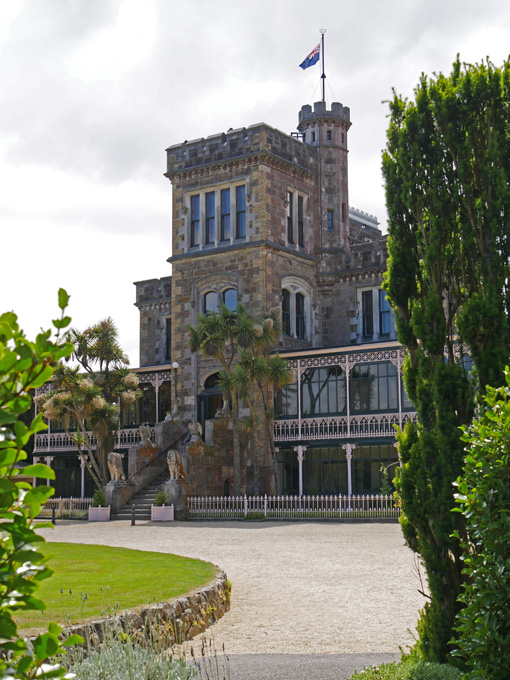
(123, 657)
(409, 670)
(161, 498)
(98, 499)
(255, 515)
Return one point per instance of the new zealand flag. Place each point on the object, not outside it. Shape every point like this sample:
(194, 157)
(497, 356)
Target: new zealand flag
(312, 58)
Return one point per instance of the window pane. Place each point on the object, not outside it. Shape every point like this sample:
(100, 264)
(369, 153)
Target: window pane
(230, 299)
(241, 212)
(384, 314)
(300, 316)
(195, 221)
(290, 217)
(301, 228)
(286, 312)
(209, 217)
(368, 314)
(225, 214)
(210, 302)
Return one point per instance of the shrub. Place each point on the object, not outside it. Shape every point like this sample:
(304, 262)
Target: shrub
(24, 366)
(255, 515)
(120, 659)
(483, 626)
(98, 499)
(410, 670)
(161, 498)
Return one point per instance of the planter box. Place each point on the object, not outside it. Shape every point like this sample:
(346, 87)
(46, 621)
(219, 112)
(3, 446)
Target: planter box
(162, 513)
(99, 514)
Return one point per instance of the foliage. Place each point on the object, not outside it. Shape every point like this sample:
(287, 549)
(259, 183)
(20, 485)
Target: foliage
(447, 171)
(241, 344)
(161, 498)
(90, 400)
(409, 670)
(117, 582)
(483, 626)
(24, 366)
(119, 658)
(254, 515)
(98, 499)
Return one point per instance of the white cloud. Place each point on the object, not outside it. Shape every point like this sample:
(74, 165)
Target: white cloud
(94, 91)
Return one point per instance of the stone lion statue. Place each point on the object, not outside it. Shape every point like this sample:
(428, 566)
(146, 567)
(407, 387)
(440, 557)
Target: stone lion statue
(115, 467)
(175, 466)
(145, 433)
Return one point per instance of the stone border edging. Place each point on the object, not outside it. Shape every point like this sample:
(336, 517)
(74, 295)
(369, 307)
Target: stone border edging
(177, 620)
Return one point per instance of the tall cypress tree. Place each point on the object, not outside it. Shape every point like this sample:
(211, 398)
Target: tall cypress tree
(447, 174)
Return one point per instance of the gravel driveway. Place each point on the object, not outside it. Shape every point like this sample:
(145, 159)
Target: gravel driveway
(303, 588)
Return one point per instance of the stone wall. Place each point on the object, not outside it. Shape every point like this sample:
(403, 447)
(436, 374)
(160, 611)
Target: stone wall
(153, 299)
(174, 621)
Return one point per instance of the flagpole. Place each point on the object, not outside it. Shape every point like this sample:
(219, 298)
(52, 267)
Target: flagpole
(323, 76)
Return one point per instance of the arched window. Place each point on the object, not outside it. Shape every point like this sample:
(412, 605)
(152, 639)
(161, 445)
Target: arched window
(210, 302)
(229, 298)
(296, 308)
(286, 312)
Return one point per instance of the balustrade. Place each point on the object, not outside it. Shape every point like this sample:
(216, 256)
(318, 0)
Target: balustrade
(61, 441)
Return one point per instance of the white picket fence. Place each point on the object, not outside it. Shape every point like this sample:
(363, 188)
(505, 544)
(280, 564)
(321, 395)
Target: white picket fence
(293, 507)
(66, 507)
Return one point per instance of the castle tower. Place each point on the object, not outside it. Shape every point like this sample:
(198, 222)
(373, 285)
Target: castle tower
(327, 131)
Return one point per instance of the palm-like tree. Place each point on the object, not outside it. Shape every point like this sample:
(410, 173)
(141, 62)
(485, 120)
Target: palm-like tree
(218, 335)
(91, 401)
(242, 346)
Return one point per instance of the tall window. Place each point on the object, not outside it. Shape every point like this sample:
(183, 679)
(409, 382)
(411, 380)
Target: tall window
(209, 217)
(384, 315)
(330, 220)
(368, 314)
(300, 217)
(286, 312)
(300, 316)
(225, 215)
(194, 238)
(241, 212)
(290, 217)
(296, 308)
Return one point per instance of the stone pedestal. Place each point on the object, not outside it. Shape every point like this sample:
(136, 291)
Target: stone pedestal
(176, 492)
(168, 432)
(138, 456)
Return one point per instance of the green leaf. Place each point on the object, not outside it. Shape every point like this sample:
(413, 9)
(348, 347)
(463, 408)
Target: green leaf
(39, 494)
(39, 470)
(63, 298)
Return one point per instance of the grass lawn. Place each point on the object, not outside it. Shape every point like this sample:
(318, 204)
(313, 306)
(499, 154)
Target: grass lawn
(90, 581)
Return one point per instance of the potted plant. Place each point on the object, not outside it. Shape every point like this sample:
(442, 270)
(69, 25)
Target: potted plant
(160, 512)
(99, 511)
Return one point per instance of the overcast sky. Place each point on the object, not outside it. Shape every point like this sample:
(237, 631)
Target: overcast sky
(93, 91)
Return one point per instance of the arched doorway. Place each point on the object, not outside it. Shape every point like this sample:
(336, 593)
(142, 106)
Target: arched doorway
(209, 400)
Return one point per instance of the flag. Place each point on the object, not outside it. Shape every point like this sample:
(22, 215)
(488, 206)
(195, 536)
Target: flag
(312, 58)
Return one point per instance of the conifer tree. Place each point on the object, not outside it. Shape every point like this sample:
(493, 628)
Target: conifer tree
(447, 174)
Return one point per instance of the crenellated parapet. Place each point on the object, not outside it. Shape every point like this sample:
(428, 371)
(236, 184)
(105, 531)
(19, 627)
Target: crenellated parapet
(253, 145)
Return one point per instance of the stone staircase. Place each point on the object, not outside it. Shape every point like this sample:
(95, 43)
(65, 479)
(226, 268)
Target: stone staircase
(143, 500)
